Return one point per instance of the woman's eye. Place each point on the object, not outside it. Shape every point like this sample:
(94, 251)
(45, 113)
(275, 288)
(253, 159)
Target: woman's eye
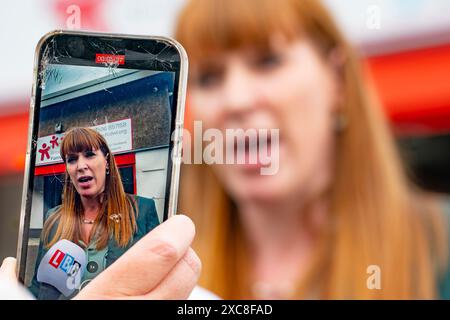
(71, 159)
(89, 154)
(208, 79)
(267, 61)
(208, 76)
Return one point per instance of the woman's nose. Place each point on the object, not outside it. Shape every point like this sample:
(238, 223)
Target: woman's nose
(238, 93)
(81, 164)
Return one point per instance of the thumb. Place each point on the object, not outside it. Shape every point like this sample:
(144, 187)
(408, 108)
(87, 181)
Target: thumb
(8, 269)
(10, 288)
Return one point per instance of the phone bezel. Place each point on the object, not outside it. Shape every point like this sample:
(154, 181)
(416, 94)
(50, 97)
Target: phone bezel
(177, 122)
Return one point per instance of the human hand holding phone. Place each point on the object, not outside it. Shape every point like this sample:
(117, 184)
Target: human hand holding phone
(160, 266)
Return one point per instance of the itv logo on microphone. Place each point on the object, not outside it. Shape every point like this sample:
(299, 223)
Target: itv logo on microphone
(65, 262)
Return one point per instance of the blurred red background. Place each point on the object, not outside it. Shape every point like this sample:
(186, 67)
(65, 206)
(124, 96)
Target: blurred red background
(414, 87)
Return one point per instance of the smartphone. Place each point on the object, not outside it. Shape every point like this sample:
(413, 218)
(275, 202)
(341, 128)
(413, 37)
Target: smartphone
(103, 154)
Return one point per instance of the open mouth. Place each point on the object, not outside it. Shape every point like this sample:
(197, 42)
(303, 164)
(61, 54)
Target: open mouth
(253, 145)
(253, 152)
(84, 179)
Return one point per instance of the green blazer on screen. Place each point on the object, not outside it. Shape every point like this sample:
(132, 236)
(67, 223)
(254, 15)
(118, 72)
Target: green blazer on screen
(146, 220)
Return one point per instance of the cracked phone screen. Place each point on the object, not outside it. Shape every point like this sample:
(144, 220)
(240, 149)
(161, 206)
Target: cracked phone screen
(97, 91)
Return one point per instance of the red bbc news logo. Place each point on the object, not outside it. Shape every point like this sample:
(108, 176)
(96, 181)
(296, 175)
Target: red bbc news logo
(109, 58)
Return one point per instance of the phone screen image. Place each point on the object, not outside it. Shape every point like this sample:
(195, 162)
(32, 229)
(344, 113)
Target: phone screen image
(100, 173)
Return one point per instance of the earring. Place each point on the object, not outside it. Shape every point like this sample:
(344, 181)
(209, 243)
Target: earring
(107, 170)
(340, 123)
(116, 217)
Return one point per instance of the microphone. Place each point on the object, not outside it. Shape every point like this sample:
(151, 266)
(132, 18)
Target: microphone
(63, 267)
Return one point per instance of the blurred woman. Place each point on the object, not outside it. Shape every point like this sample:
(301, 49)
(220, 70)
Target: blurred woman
(339, 218)
(95, 213)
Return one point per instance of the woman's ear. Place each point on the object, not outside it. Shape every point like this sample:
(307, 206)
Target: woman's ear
(336, 61)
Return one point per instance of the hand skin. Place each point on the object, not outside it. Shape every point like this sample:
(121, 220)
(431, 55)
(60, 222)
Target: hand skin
(10, 288)
(159, 266)
(8, 270)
